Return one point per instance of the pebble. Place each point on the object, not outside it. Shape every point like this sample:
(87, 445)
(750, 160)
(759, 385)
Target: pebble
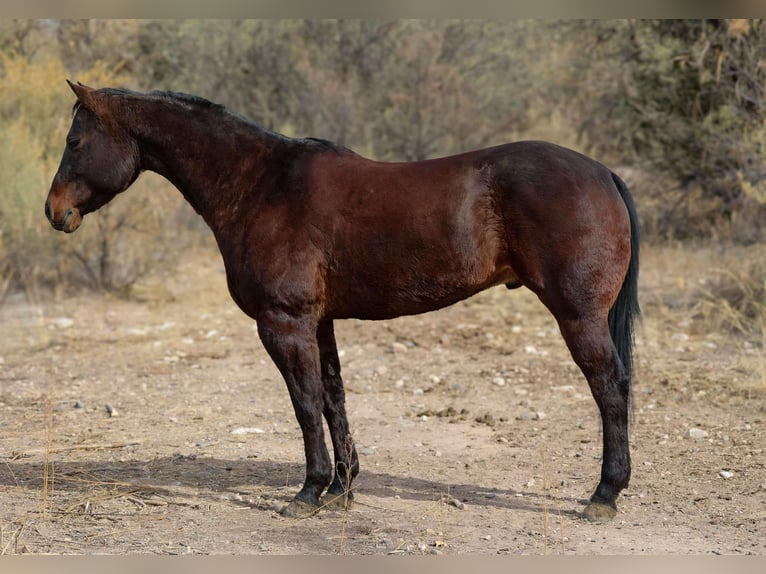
(366, 451)
(697, 433)
(62, 322)
(726, 474)
(110, 410)
(78, 405)
(397, 347)
(499, 381)
(248, 430)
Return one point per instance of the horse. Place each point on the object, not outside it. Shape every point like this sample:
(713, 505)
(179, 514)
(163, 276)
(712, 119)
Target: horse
(311, 232)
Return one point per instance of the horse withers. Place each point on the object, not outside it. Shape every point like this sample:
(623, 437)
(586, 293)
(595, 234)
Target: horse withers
(311, 232)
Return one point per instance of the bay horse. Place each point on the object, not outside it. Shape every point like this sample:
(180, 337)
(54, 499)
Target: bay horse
(311, 232)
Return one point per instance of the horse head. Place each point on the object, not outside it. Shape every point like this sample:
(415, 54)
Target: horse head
(100, 160)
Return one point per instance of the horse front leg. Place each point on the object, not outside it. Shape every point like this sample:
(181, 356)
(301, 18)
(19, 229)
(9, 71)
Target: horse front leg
(292, 344)
(339, 494)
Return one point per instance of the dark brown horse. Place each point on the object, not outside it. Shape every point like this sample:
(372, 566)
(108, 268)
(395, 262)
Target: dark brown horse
(311, 232)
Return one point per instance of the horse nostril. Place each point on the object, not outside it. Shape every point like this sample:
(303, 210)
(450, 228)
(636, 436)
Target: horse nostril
(48, 211)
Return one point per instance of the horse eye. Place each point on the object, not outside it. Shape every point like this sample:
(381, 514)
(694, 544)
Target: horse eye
(72, 142)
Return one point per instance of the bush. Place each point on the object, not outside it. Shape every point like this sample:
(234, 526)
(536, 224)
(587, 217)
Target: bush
(114, 248)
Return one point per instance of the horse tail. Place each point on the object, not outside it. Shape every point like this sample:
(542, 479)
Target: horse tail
(625, 309)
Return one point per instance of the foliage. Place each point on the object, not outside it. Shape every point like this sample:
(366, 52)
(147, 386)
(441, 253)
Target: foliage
(677, 103)
(684, 98)
(34, 117)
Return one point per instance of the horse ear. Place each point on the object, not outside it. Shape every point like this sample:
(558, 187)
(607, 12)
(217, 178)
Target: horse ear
(80, 90)
(90, 98)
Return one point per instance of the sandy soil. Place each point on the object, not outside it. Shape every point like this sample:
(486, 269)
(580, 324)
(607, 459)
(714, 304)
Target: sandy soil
(157, 425)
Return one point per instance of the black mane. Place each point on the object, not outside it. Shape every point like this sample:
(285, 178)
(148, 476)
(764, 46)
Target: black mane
(188, 100)
(198, 102)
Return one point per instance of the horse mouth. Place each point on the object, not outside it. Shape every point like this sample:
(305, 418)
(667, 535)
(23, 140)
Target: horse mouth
(71, 221)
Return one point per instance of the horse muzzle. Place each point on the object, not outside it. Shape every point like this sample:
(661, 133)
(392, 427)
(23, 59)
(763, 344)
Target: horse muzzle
(67, 220)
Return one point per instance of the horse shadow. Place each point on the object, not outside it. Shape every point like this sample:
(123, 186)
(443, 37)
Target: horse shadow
(210, 478)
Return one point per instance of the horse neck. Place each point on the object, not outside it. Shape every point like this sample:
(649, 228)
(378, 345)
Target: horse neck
(212, 156)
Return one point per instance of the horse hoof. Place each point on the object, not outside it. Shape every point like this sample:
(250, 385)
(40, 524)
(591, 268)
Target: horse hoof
(597, 512)
(299, 509)
(337, 502)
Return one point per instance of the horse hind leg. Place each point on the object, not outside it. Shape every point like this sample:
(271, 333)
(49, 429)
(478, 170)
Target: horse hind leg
(339, 494)
(592, 348)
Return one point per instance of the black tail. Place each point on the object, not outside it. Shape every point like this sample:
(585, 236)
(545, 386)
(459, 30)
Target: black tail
(625, 310)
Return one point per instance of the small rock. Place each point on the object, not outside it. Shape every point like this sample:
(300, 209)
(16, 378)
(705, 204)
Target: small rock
(530, 350)
(110, 410)
(380, 370)
(726, 474)
(499, 381)
(436, 379)
(366, 451)
(248, 430)
(697, 433)
(397, 347)
(78, 405)
(563, 388)
(62, 323)
(539, 415)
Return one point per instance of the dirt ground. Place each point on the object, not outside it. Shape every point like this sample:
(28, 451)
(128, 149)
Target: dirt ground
(158, 425)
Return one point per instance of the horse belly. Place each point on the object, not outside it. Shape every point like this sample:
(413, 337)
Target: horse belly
(416, 282)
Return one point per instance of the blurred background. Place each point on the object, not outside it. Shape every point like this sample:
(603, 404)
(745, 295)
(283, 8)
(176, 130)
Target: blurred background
(674, 106)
